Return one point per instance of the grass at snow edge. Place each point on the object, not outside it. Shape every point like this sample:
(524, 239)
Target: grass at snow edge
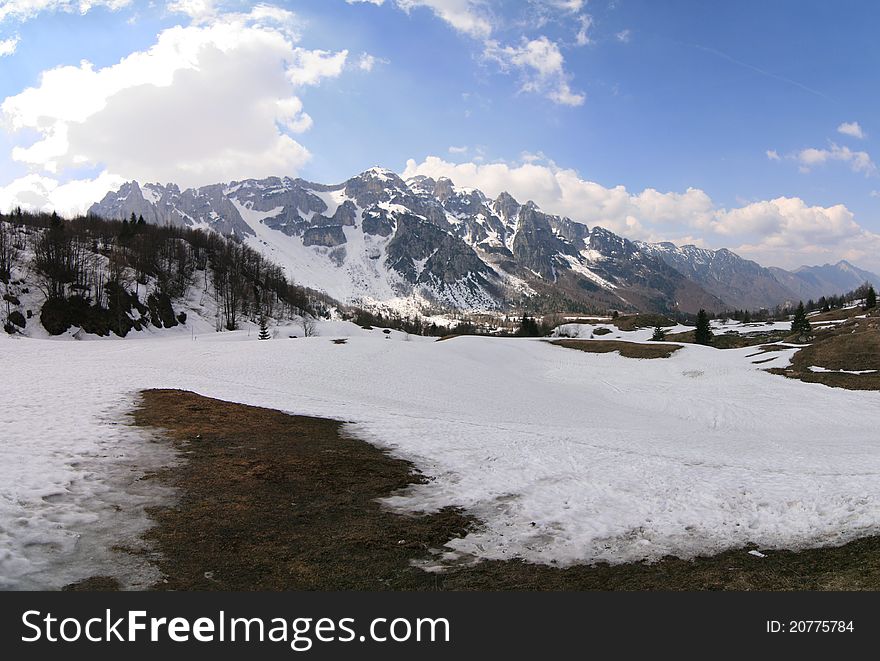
(271, 501)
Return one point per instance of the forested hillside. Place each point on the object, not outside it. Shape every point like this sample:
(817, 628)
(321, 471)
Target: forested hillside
(114, 277)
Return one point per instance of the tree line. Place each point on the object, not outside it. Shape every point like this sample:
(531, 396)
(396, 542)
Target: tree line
(102, 271)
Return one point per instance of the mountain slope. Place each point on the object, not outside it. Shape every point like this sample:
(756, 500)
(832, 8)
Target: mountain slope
(421, 245)
(740, 283)
(426, 245)
(816, 281)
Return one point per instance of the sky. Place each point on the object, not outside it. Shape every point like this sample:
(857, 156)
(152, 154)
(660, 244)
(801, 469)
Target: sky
(745, 125)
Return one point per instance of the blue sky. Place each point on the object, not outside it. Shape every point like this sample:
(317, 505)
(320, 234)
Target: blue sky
(748, 125)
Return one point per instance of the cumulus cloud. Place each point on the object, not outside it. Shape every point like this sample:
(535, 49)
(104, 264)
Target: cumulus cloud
(8, 46)
(206, 103)
(623, 36)
(785, 231)
(23, 10)
(34, 192)
(851, 129)
(772, 154)
(367, 62)
(197, 9)
(541, 66)
(859, 161)
(538, 61)
(467, 16)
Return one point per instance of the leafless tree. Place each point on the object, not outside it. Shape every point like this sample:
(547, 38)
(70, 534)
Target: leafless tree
(308, 325)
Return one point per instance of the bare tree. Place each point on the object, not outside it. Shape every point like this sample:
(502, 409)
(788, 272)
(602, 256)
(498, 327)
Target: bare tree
(308, 325)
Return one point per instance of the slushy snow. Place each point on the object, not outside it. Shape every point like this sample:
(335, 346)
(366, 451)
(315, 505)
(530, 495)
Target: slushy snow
(564, 456)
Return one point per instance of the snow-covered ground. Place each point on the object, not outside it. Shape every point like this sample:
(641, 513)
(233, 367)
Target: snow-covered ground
(565, 456)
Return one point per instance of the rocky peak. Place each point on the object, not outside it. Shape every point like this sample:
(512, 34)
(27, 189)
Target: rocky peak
(443, 189)
(506, 207)
(375, 185)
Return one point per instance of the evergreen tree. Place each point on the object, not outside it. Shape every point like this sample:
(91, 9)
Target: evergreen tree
(264, 328)
(703, 334)
(800, 324)
(871, 298)
(528, 327)
(659, 334)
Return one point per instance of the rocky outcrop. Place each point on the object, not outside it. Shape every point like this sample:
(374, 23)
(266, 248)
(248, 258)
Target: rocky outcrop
(329, 236)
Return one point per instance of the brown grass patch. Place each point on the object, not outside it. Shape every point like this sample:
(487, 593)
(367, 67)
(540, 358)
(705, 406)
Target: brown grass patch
(271, 501)
(625, 349)
(853, 345)
(636, 321)
(730, 340)
(835, 315)
(854, 348)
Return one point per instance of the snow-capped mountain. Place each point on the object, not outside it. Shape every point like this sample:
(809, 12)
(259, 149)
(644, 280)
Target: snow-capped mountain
(379, 241)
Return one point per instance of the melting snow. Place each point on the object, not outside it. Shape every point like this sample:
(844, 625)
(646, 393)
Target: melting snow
(565, 456)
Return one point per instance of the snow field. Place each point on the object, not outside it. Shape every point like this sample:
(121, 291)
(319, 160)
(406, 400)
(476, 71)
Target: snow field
(565, 456)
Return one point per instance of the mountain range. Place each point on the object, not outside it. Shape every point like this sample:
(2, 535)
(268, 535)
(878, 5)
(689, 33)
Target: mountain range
(425, 245)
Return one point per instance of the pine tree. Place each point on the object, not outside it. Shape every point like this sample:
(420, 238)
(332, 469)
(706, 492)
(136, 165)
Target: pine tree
(264, 328)
(659, 334)
(870, 298)
(800, 324)
(703, 334)
(528, 327)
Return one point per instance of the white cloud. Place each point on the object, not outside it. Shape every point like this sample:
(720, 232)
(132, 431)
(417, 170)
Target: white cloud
(784, 232)
(851, 129)
(34, 192)
(8, 46)
(309, 67)
(541, 66)
(195, 9)
(367, 62)
(773, 155)
(859, 161)
(372, 2)
(206, 103)
(458, 150)
(582, 38)
(467, 16)
(23, 10)
(572, 6)
(623, 36)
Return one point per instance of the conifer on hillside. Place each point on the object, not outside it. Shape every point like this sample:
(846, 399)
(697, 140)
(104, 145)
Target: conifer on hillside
(703, 334)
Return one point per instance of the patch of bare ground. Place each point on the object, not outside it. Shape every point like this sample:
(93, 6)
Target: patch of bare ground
(730, 340)
(852, 346)
(271, 501)
(835, 315)
(625, 349)
(636, 321)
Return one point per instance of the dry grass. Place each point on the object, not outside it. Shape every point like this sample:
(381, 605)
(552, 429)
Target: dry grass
(636, 321)
(853, 345)
(835, 315)
(271, 501)
(625, 349)
(730, 340)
